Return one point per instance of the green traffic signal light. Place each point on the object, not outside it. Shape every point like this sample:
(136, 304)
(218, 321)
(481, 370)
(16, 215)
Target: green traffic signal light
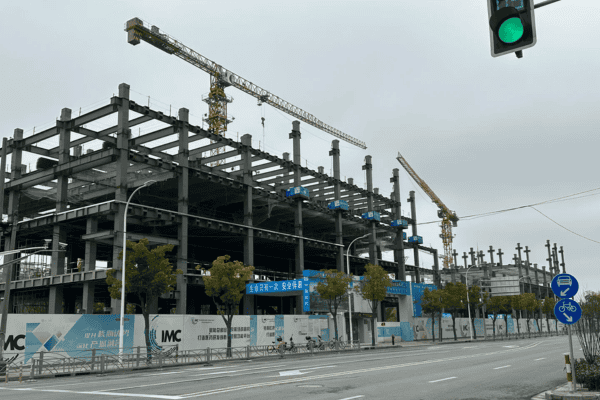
(511, 30)
(512, 26)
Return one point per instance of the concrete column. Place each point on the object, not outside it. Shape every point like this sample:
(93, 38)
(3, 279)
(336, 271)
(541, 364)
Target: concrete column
(299, 250)
(397, 210)
(491, 251)
(339, 238)
(2, 174)
(248, 301)
(404, 302)
(549, 259)
(519, 261)
(183, 185)
(14, 196)
(562, 260)
(537, 280)
(371, 224)
(122, 164)
(59, 233)
(89, 265)
(465, 258)
(555, 256)
(413, 214)
(472, 254)
(527, 266)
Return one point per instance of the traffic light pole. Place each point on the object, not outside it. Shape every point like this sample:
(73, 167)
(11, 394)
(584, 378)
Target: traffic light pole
(519, 53)
(544, 3)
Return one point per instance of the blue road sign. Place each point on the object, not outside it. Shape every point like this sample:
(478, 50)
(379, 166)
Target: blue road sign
(565, 286)
(567, 311)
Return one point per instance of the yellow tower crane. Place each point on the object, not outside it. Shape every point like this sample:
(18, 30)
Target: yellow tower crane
(448, 217)
(220, 78)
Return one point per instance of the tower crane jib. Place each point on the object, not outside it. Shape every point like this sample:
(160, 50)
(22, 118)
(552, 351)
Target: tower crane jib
(138, 30)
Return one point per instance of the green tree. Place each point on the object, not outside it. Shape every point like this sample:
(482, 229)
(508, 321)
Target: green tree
(530, 305)
(454, 297)
(516, 302)
(548, 309)
(333, 289)
(226, 283)
(148, 274)
(373, 288)
(431, 303)
(587, 328)
(99, 307)
(498, 305)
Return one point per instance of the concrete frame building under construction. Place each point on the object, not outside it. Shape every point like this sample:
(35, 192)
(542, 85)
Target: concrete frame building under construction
(231, 203)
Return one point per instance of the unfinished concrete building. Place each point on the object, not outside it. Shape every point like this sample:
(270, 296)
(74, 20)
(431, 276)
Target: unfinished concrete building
(231, 203)
(505, 279)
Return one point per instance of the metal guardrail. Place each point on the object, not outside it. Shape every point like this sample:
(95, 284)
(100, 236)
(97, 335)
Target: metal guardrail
(98, 361)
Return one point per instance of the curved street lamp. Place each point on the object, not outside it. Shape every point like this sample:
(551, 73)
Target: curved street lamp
(121, 321)
(350, 292)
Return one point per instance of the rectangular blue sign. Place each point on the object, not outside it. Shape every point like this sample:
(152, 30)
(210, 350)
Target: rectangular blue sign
(275, 287)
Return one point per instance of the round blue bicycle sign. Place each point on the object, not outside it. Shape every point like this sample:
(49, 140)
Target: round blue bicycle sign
(564, 285)
(567, 311)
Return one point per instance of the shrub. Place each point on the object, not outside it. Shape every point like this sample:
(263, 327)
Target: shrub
(588, 374)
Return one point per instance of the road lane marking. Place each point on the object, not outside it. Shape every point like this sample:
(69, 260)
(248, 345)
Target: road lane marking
(506, 366)
(142, 395)
(355, 397)
(297, 371)
(342, 373)
(445, 379)
(543, 358)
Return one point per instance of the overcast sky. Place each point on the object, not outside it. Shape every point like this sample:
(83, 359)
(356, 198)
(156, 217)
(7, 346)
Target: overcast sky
(485, 133)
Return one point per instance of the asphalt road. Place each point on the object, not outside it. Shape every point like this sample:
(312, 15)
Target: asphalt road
(468, 371)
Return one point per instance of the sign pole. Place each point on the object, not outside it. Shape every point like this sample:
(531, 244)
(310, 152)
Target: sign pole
(573, 374)
(567, 312)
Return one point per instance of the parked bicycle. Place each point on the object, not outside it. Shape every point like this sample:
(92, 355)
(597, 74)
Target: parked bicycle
(275, 347)
(340, 344)
(279, 346)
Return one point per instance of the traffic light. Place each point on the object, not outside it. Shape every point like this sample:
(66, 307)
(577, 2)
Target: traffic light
(512, 26)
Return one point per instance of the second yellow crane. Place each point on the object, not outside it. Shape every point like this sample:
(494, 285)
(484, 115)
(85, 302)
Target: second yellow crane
(448, 217)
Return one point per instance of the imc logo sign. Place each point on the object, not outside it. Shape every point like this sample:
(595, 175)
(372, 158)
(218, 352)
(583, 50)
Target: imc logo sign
(13, 342)
(171, 336)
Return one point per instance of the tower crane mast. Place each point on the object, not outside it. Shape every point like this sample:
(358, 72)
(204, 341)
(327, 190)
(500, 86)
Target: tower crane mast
(221, 78)
(449, 218)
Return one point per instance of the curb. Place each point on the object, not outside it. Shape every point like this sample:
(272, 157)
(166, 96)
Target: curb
(562, 393)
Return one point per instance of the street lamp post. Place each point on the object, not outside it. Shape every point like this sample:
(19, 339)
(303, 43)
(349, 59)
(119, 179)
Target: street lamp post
(148, 183)
(468, 305)
(350, 292)
(523, 277)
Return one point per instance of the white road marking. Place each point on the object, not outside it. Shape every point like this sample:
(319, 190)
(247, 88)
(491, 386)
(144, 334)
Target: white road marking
(506, 366)
(445, 379)
(336, 374)
(142, 395)
(186, 370)
(347, 398)
(290, 373)
(297, 371)
(543, 358)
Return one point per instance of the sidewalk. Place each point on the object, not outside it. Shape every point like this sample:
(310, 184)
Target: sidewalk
(562, 393)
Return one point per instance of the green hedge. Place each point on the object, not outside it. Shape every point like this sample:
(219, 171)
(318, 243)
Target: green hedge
(588, 374)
